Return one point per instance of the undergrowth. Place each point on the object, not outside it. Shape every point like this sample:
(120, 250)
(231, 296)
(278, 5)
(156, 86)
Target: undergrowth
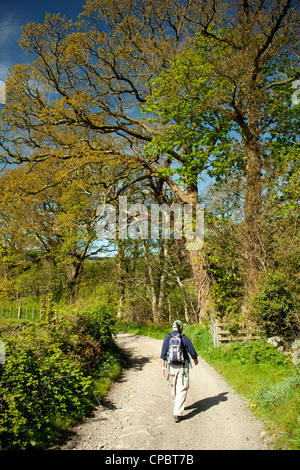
(55, 372)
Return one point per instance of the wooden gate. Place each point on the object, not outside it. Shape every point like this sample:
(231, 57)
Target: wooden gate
(221, 332)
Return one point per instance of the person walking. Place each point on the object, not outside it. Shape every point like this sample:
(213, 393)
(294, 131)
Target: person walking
(175, 366)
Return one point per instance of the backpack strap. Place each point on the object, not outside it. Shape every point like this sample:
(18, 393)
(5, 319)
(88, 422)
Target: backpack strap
(185, 354)
(187, 357)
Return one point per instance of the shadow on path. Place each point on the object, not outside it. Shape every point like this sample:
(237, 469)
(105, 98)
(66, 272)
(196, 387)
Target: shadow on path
(205, 404)
(131, 361)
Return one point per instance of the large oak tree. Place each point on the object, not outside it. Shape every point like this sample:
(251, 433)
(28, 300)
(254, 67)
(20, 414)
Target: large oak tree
(93, 78)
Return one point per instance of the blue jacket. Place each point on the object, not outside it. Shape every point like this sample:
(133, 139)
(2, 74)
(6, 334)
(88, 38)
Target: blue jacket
(187, 344)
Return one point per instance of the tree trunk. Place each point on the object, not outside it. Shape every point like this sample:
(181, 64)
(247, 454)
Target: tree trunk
(199, 264)
(73, 272)
(158, 286)
(121, 279)
(154, 303)
(253, 251)
(197, 258)
(186, 311)
(163, 278)
(202, 281)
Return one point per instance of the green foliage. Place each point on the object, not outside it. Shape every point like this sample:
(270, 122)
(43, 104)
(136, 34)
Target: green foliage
(38, 382)
(108, 371)
(54, 372)
(177, 100)
(275, 394)
(223, 244)
(252, 352)
(227, 288)
(274, 305)
(283, 180)
(272, 397)
(99, 322)
(295, 435)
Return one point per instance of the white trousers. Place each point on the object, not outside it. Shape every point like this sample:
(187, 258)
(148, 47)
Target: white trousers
(179, 380)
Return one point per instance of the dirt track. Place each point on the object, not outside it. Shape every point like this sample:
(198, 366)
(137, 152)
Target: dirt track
(138, 415)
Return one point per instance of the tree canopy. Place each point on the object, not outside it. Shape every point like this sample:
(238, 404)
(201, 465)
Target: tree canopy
(159, 93)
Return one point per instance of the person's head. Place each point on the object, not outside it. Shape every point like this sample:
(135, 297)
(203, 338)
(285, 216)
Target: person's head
(177, 325)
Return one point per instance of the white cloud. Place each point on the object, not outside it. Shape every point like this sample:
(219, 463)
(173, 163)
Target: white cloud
(9, 30)
(3, 70)
(10, 35)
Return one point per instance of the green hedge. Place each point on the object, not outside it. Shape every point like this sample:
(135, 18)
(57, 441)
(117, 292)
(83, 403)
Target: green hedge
(50, 373)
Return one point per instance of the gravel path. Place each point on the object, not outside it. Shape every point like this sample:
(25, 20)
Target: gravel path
(137, 413)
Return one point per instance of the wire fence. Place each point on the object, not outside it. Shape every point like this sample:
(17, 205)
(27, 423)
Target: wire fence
(19, 312)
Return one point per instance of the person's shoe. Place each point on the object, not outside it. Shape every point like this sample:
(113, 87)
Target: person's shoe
(177, 419)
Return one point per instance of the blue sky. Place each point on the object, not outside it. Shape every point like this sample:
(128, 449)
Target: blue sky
(17, 13)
